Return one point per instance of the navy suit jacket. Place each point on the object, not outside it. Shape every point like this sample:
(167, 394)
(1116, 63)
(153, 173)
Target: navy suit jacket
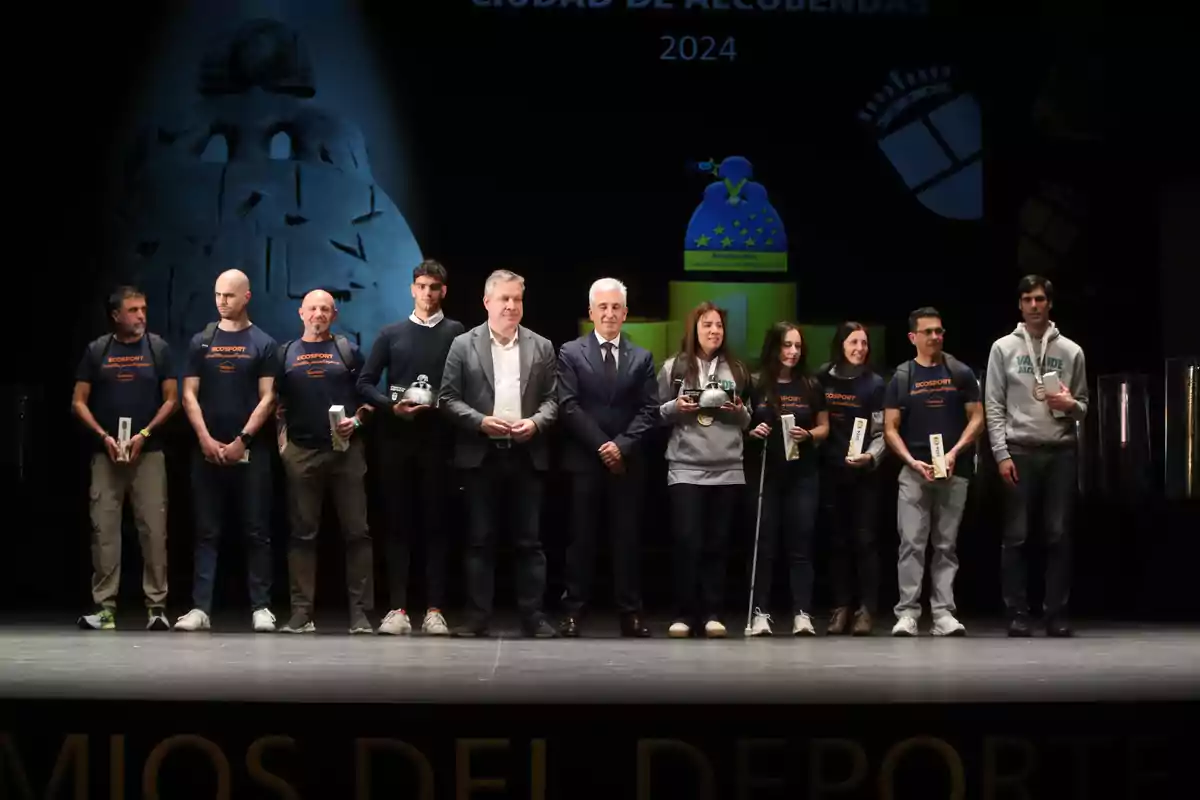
(593, 411)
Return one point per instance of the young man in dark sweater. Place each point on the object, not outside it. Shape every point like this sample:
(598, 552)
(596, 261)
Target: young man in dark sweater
(415, 444)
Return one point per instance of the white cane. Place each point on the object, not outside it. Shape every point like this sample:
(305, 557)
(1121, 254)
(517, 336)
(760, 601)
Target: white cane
(762, 474)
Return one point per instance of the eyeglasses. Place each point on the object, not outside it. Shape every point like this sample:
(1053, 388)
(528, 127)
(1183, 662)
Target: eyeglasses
(932, 331)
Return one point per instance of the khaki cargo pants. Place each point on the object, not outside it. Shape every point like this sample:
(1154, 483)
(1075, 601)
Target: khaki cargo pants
(145, 482)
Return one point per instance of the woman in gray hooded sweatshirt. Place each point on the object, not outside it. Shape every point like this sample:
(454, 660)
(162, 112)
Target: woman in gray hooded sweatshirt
(704, 467)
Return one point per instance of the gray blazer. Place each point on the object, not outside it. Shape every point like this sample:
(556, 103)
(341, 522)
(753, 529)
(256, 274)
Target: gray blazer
(468, 393)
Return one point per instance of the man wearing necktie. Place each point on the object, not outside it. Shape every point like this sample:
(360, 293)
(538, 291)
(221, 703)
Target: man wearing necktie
(608, 399)
(498, 392)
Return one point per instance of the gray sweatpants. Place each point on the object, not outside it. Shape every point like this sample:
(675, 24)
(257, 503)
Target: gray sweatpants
(924, 507)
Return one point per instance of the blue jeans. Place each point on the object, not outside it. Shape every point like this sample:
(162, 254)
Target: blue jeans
(246, 488)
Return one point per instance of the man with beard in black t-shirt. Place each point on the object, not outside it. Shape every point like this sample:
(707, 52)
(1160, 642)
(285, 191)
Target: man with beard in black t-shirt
(414, 448)
(316, 373)
(228, 394)
(127, 374)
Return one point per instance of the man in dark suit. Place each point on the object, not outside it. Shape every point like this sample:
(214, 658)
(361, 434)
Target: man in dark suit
(498, 389)
(608, 396)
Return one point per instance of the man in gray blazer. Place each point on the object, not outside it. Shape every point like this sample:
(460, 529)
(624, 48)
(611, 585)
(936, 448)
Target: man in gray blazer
(499, 390)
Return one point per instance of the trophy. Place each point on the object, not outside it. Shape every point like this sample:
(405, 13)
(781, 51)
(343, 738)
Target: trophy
(124, 434)
(937, 451)
(858, 436)
(420, 392)
(791, 448)
(337, 414)
(396, 392)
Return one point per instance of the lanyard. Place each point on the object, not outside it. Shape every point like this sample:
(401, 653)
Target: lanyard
(1041, 359)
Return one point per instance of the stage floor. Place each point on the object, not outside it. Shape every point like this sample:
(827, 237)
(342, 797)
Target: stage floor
(1116, 663)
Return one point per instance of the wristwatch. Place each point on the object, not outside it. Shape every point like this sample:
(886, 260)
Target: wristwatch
(246, 438)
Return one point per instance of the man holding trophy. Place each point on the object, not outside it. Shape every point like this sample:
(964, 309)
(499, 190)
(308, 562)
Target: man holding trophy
(932, 417)
(1036, 392)
(125, 390)
(414, 470)
(317, 421)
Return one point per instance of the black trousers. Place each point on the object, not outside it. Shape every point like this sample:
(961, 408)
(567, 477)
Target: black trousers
(790, 498)
(506, 489)
(248, 488)
(416, 483)
(702, 517)
(600, 496)
(1046, 486)
(850, 500)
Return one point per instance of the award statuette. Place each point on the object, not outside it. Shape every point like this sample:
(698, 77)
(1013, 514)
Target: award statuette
(124, 434)
(395, 392)
(791, 448)
(336, 415)
(937, 453)
(857, 437)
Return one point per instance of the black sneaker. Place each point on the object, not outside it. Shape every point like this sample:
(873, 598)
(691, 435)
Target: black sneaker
(1018, 626)
(538, 629)
(156, 619)
(1058, 627)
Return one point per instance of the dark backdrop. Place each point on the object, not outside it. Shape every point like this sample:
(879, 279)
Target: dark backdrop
(518, 131)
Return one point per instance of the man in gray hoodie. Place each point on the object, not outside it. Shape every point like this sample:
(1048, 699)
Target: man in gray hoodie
(1036, 393)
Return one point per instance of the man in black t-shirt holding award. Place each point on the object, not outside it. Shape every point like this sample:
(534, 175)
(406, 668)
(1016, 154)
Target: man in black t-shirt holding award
(415, 446)
(318, 419)
(228, 394)
(932, 416)
(125, 390)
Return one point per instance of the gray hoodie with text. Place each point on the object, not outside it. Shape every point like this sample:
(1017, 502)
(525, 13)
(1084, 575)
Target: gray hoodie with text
(1014, 415)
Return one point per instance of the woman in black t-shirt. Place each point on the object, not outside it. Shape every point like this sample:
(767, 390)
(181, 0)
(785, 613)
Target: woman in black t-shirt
(849, 485)
(791, 486)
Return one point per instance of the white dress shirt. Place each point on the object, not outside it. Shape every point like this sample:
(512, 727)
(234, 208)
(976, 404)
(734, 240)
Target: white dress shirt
(427, 323)
(616, 343)
(506, 370)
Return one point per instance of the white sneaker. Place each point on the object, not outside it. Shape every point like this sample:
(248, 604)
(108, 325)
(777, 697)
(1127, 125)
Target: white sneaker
(194, 620)
(947, 625)
(905, 626)
(679, 630)
(802, 625)
(435, 624)
(264, 621)
(396, 623)
(761, 624)
(714, 629)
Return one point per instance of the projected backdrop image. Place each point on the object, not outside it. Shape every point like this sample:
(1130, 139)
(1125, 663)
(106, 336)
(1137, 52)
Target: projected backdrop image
(694, 153)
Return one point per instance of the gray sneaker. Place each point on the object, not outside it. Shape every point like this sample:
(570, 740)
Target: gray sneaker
(299, 623)
(359, 622)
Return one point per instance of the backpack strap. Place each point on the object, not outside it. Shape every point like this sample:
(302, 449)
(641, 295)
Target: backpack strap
(210, 333)
(98, 350)
(678, 371)
(343, 348)
(158, 347)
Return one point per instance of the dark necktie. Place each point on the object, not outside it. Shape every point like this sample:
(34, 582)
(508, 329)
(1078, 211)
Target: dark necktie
(610, 362)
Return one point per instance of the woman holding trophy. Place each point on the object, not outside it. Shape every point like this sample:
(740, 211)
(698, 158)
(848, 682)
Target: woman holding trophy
(789, 422)
(854, 397)
(701, 389)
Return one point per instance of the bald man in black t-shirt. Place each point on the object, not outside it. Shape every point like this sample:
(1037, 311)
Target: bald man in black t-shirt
(315, 374)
